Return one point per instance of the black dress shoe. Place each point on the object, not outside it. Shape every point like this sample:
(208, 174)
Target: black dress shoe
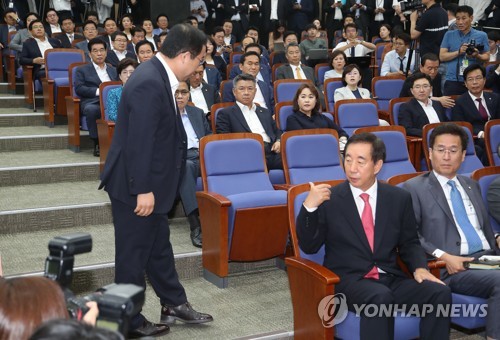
(196, 237)
(97, 152)
(149, 329)
(184, 313)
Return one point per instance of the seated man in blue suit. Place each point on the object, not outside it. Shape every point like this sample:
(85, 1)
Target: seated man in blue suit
(119, 51)
(245, 116)
(196, 127)
(88, 77)
(89, 32)
(453, 223)
(264, 71)
(250, 64)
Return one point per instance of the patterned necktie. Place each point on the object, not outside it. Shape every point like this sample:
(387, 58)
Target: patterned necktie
(299, 74)
(482, 109)
(470, 233)
(369, 227)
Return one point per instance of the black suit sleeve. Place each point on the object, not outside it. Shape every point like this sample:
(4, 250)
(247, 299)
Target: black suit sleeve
(292, 123)
(82, 87)
(223, 122)
(492, 79)
(311, 230)
(494, 199)
(405, 120)
(405, 90)
(26, 54)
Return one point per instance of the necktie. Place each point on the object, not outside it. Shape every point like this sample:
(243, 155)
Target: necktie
(471, 235)
(71, 38)
(369, 227)
(353, 51)
(299, 75)
(401, 66)
(482, 109)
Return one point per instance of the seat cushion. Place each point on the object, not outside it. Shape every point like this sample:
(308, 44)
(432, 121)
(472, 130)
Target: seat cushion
(466, 321)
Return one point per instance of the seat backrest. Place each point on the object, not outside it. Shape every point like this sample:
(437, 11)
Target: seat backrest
(397, 160)
(234, 57)
(329, 87)
(351, 114)
(484, 177)
(399, 180)
(57, 61)
(320, 70)
(492, 140)
(233, 163)
(394, 105)
(274, 71)
(71, 71)
(471, 161)
(285, 89)
(328, 115)
(296, 196)
(226, 90)
(282, 111)
(104, 89)
(311, 155)
(214, 110)
(386, 88)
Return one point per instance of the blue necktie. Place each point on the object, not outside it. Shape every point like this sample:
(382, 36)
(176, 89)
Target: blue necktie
(471, 235)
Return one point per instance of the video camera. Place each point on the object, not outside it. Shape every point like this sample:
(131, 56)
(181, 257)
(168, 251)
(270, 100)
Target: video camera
(471, 47)
(117, 303)
(411, 5)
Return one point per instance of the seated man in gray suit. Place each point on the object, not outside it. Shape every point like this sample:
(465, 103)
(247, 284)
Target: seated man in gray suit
(294, 69)
(88, 77)
(245, 116)
(452, 221)
(89, 32)
(196, 127)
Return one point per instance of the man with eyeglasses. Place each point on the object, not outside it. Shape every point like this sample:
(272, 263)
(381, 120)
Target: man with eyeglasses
(196, 127)
(421, 109)
(119, 51)
(89, 32)
(461, 48)
(476, 106)
(202, 94)
(396, 61)
(453, 223)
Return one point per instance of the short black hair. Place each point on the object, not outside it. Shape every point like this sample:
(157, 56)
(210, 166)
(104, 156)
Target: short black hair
(494, 35)
(96, 41)
(124, 63)
(244, 56)
(253, 45)
(242, 77)
(7, 11)
(161, 15)
(252, 28)
(218, 29)
(162, 34)
(348, 69)
(292, 45)
(66, 17)
(474, 67)
(314, 91)
(449, 129)
(334, 55)
(310, 26)
(452, 8)
(91, 14)
(144, 42)
(465, 9)
(352, 25)
(118, 33)
(108, 19)
(428, 56)
(50, 10)
(89, 22)
(184, 38)
(287, 33)
(34, 22)
(419, 75)
(137, 29)
(378, 146)
(403, 36)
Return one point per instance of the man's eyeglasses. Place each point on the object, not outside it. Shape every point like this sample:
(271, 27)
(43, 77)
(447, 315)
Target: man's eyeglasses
(442, 151)
(425, 87)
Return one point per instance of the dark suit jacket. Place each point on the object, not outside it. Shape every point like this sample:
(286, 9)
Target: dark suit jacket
(494, 199)
(210, 93)
(112, 59)
(63, 38)
(337, 224)
(298, 19)
(4, 34)
(465, 110)
(231, 119)
(83, 45)
(436, 226)
(493, 80)
(31, 51)
(413, 118)
(231, 9)
(364, 16)
(267, 93)
(146, 129)
(198, 121)
(286, 72)
(131, 49)
(213, 76)
(87, 82)
(265, 71)
(266, 10)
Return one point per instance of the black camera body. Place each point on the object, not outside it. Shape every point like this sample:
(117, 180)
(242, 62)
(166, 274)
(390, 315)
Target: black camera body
(411, 5)
(471, 47)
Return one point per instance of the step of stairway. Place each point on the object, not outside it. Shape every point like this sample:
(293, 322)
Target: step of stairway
(4, 88)
(26, 138)
(8, 100)
(21, 119)
(47, 166)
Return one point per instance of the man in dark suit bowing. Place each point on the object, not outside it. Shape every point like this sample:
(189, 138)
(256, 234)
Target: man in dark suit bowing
(365, 225)
(196, 127)
(421, 109)
(202, 94)
(142, 174)
(88, 77)
(453, 223)
(245, 116)
(476, 106)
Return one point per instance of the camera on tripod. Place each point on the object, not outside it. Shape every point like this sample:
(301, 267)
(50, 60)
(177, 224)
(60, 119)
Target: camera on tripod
(117, 303)
(411, 5)
(472, 46)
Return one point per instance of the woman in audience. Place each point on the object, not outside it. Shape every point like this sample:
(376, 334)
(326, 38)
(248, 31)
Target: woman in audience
(124, 69)
(127, 24)
(307, 113)
(385, 33)
(321, 33)
(212, 58)
(351, 78)
(16, 44)
(337, 61)
(276, 36)
(147, 25)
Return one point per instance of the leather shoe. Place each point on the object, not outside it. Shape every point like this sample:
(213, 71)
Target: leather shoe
(149, 329)
(184, 313)
(196, 237)
(97, 152)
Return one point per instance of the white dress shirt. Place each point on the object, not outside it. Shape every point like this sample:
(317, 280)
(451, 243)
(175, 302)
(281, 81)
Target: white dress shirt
(192, 138)
(236, 17)
(43, 46)
(56, 28)
(198, 98)
(429, 111)
(259, 98)
(274, 10)
(61, 5)
(483, 101)
(102, 73)
(174, 83)
(253, 121)
(120, 55)
(359, 49)
(297, 69)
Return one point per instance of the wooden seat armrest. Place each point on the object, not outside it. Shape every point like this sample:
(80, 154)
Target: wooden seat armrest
(214, 198)
(313, 269)
(384, 115)
(282, 186)
(435, 267)
(413, 139)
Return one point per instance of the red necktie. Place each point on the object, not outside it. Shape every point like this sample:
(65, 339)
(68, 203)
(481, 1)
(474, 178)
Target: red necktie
(482, 109)
(368, 226)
